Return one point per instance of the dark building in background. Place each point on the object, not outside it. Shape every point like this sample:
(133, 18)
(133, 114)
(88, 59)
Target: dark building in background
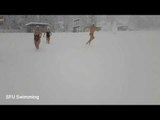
(1, 20)
(76, 25)
(80, 23)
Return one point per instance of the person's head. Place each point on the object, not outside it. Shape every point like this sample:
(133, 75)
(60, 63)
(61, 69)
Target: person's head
(48, 28)
(37, 27)
(93, 25)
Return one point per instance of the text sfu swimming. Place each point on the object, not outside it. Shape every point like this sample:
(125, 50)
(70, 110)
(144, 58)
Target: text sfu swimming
(18, 97)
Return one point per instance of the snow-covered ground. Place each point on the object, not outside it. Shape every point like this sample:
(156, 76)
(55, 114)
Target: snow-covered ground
(118, 68)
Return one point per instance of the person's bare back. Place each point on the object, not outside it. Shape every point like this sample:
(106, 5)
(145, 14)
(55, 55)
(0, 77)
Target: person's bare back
(92, 30)
(37, 36)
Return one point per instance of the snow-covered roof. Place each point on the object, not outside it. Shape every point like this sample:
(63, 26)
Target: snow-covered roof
(36, 23)
(77, 19)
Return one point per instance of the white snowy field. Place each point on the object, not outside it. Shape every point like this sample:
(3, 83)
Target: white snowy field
(118, 68)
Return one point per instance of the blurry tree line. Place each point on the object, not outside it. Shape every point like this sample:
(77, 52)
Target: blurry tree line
(64, 23)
